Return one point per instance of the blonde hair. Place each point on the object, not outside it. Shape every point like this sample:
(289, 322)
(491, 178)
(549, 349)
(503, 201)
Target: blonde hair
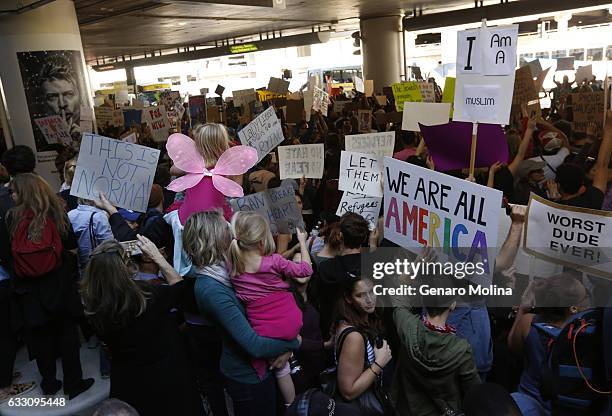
(211, 140)
(69, 168)
(250, 230)
(206, 238)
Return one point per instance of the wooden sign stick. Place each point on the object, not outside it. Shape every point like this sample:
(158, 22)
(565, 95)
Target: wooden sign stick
(473, 149)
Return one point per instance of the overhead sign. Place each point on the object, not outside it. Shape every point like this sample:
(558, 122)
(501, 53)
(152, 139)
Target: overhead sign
(123, 171)
(264, 133)
(299, 161)
(360, 173)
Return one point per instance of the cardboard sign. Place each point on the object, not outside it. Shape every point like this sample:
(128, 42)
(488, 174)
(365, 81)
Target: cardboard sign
(278, 85)
(524, 93)
(575, 237)
(359, 86)
(379, 144)
(299, 161)
(381, 100)
(55, 129)
(197, 109)
(264, 133)
(295, 110)
(429, 114)
(132, 117)
(427, 91)
(406, 92)
(364, 121)
(157, 120)
(219, 90)
(123, 171)
(366, 206)
(565, 64)
(104, 116)
(360, 173)
(536, 67)
(584, 73)
(244, 97)
(277, 205)
(320, 100)
(424, 207)
(340, 105)
(368, 86)
(588, 107)
(455, 154)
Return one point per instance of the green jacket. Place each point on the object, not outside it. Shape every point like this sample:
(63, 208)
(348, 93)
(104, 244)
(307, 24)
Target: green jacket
(434, 370)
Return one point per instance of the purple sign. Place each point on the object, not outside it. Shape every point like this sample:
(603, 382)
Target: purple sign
(449, 145)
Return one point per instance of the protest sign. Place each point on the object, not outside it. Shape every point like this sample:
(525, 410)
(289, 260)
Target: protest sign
(219, 90)
(565, 64)
(406, 92)
(536, 67)
(366, 206)
(575, 237)
(525, 93)
(264, 133)
(340, 105)
(427, 91)
(130, 138)
(588, 107)
(448, 94)
(486, 59)
(295, 110)
(455, 154)
(359, 86)
(584, 73)
(122, 171)
(132, 117)
(429, 114)
(244, 97)
(118, 118)
(157, 120)
(54, 129)
(423, 207)
(360, 173)
(368, 86)
(415, 71)
(87, 117)
(299, 161)
(278, 85)
(213, 113)
(379, 144)
(197, 109)
(277, 205)
(381, 99)
(168, 98)
(320, 100)
(364, 121)
(104, 116)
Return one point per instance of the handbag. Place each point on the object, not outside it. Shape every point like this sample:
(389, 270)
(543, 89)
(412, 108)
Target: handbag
(374, 401)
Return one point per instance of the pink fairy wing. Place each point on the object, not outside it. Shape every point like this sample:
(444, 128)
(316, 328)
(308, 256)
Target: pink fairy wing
(236, 161)
(227, 186)
(185, 182)
(183, 152)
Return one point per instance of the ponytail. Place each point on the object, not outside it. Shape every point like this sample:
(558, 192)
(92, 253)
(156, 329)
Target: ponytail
(236, 258)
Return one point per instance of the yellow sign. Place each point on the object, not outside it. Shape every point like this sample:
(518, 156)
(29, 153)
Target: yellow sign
(156, 87)
(448, 95)
(406, 92)
(243, 48)
(264, 95)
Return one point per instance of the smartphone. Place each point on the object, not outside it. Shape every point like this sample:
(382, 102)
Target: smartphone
(131, 247)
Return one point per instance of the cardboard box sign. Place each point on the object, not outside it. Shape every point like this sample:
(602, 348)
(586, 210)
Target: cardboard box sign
(295, 110)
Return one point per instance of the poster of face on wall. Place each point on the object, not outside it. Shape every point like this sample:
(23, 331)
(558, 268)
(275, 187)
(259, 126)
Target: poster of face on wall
(55, 87)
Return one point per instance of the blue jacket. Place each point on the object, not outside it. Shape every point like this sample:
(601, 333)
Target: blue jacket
(219, 304)
(80, 219)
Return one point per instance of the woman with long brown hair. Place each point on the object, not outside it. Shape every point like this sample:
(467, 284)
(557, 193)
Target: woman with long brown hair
(42, 258)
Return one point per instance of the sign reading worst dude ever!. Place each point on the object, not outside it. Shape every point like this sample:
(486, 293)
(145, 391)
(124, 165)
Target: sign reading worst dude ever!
(576, 237)
(427, 208)
(264, 133)
(122, 171)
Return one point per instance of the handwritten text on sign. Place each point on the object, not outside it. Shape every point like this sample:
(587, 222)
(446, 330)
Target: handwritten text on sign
(301, 161)
(423, 207)
(122, 171)
(577, 237)
(277, 205)
(264, 133)
(360, 173)
(380, 144)
(366, 206)
(157, 119)
(588, 107)
(55, 129)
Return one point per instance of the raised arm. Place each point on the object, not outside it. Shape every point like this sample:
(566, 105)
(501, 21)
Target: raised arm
(507, 253)
(522, 150)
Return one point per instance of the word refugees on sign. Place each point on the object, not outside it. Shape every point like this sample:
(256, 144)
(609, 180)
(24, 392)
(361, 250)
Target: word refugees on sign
(360, 173)
(123, 171)
(366, 206)
(299, 161)
(264, 133)
(427, 208)
(576, 237)
(277, 205)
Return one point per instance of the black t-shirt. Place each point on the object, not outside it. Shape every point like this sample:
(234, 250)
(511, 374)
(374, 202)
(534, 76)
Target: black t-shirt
(591, 198)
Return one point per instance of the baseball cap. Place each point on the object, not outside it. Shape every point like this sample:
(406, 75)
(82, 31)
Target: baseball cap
(128, 214)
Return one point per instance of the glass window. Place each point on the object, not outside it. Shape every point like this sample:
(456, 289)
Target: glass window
(595, 54)
(523, 58)
(609, 53)
(542, 55)
(578, 54)
(559, 54)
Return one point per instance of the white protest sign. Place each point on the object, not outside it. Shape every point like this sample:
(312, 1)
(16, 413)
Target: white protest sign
(131, 138)
(379, 144)
(55, 129)
(499, 50)
(427, 92)
(469, 52)
(277, 205)
(157, 120)
(366, 206)
(104, 116)
(244, 97)
(428, 114)
(364, 121)
(360, 173)
(423, 207)
(122, 171)
(264, 133)
(359, 86)
(584, 73)
(320, 100)
(481, 102)
(278, 85)
(305, 160)
(575, 237)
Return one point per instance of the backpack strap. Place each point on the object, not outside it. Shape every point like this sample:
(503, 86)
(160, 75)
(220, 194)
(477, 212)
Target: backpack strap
(303, 403)
(341, 340)
(92, 235)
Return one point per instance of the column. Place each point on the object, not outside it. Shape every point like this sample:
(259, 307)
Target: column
(381, 49)
(43, 77)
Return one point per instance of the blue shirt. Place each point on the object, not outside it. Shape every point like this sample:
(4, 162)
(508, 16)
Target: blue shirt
(80, 219)
(219, 304)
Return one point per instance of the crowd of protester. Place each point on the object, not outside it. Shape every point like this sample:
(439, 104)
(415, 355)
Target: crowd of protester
(211, 312)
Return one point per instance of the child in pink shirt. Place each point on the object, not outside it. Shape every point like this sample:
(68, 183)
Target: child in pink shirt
(259, 276)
